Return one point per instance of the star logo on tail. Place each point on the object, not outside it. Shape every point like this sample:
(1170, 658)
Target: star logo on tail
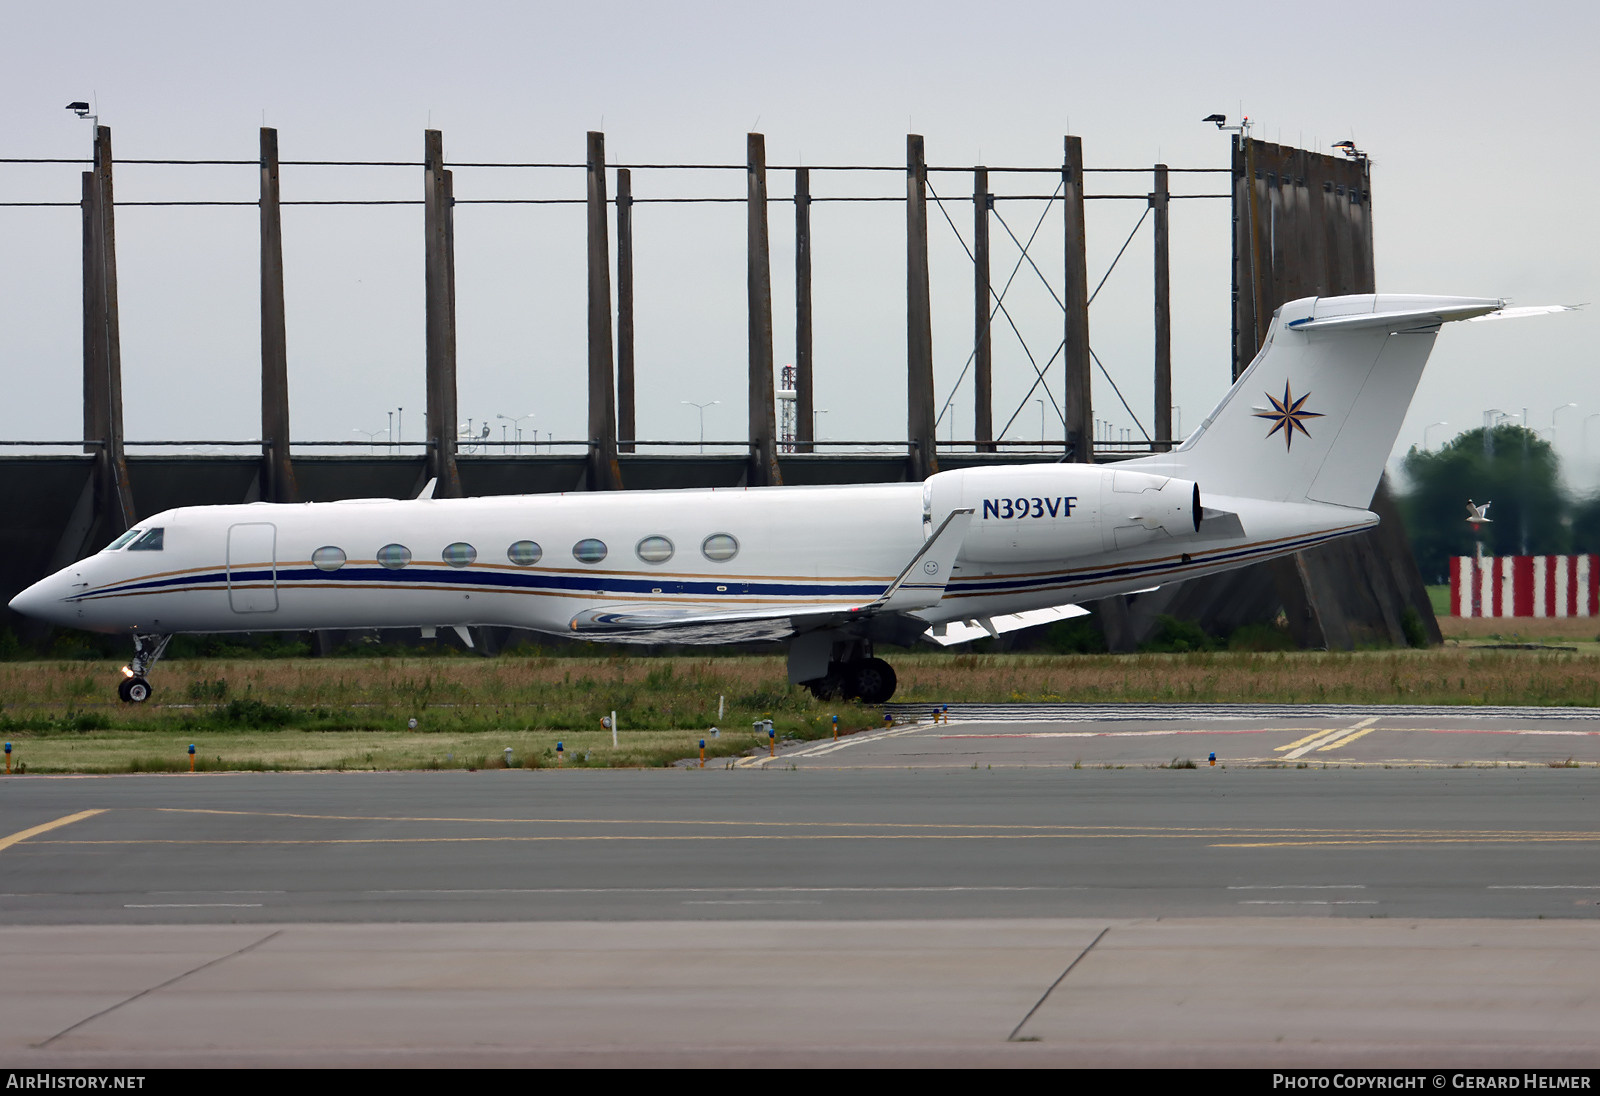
(1288, 416)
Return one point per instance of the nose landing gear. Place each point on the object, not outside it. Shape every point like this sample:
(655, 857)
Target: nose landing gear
(147, 651)
(133, 690)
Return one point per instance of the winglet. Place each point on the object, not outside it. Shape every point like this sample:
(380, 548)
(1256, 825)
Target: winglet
(427, 488)
(921, 584)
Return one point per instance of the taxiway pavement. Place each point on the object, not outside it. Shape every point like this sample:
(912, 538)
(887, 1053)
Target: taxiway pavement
(991, 891)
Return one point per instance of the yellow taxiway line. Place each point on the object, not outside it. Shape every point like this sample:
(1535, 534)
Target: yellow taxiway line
(67, 820)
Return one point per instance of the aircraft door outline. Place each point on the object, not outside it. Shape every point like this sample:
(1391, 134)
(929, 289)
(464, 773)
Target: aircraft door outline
(250, 544)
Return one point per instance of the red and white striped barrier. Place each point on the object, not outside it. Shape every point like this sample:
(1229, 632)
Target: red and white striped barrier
(1525, 586)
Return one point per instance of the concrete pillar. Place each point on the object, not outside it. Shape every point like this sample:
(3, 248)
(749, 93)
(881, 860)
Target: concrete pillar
(605, 474)
(1251, 273)
(102, 357)
(982, 309)
(758, 289)
(277, 472)
(919, 317)
(805, 401)
(1160, 204)
(1077, 402)
(96, 398)
(1361, 215)
(439, 285)
(626, 421)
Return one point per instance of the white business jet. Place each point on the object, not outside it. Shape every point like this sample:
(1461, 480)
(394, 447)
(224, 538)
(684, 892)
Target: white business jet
(1288, 460)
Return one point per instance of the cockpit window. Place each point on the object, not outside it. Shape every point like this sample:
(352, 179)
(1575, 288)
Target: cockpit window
(123, 539)
(150, 542)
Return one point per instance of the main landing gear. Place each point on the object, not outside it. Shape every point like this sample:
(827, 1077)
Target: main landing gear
(870, 680)
(147, 651)
(852, 674)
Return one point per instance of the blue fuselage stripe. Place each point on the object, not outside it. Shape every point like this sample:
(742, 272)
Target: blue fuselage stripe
(491, 581)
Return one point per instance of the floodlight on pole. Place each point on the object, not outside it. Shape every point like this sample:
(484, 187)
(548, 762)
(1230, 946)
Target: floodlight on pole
(1350, 150)
(516, 424)
(701, 407)
(1553, 415)
(1221, 122)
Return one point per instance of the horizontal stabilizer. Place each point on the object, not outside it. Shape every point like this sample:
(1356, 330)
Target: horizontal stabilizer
(1521, 311)
(964, 631)
(1402, 319)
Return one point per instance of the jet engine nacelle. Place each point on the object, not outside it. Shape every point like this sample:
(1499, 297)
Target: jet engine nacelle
(1051, 512)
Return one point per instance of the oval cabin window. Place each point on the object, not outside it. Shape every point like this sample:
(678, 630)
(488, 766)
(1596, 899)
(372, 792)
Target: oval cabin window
(394, 556)
(328, 558)
(524, 553)
(589, 550)
(719, 547)
(460, 554)
(654, 549)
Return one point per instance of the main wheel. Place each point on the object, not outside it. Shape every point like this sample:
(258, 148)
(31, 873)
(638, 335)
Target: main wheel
(873, 680)
(134, 690)
(834, 685)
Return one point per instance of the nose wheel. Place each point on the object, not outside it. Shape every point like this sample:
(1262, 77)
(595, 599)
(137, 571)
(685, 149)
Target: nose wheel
(147, 651)
(133, 690)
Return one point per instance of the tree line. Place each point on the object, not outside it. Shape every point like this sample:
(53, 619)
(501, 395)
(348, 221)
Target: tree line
(1517, 471)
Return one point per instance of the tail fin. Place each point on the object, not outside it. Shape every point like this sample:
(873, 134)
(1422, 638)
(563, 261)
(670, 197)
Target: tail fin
(1317, 412)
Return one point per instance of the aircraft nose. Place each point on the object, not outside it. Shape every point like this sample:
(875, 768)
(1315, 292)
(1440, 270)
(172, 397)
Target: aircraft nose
(42, 601)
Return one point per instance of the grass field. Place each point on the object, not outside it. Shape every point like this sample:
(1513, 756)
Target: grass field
(355, 714)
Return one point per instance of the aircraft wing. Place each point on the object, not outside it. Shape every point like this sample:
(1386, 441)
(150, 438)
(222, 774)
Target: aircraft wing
(920, 585)
(922, 581)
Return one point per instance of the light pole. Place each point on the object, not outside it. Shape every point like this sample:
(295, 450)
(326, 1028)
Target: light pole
(1491, 419)
(372, 436)
(1553, 415)
(1041, 421)
(516, 424)
(1522, 482)
(701, 407)
(1425, 430)
(814, 413)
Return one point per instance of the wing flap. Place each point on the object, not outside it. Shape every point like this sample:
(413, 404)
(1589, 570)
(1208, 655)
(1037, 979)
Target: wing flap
(965, 631)
(624, 618)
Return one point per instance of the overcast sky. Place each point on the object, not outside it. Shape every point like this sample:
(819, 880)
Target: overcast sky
(1478, 118)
